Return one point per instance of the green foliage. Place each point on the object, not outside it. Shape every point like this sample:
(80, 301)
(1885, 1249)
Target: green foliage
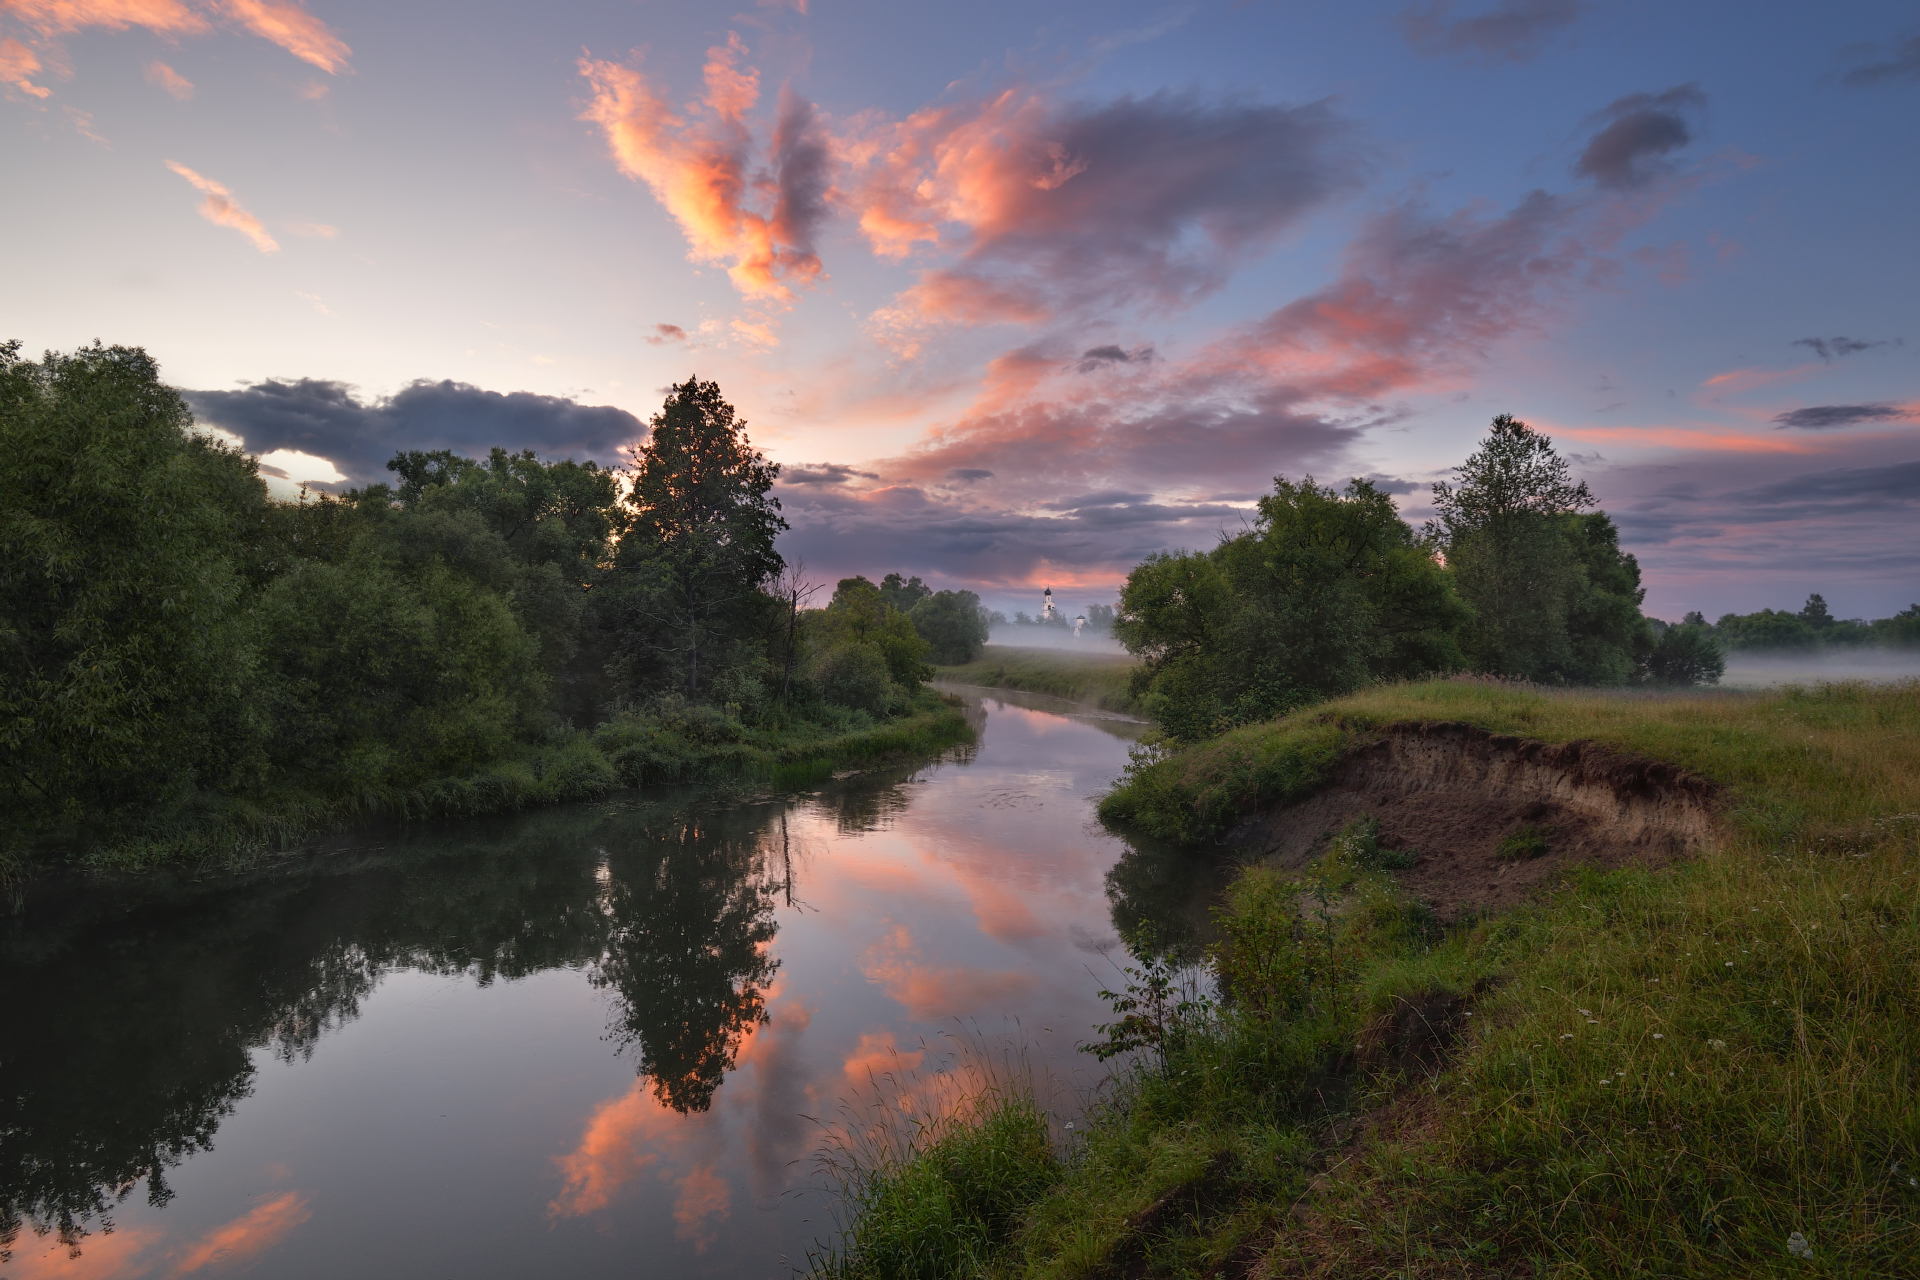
(1686, 655)
(854, 674)
(1555, 600)
(902, 594)
(690, 572)
(1193, 796)
(860, 617)
(1156, 1007)
(1328, 591)
(126, 664)
(952, 624)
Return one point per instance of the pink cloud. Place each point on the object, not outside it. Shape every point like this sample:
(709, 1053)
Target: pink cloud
(697, 165)
(623, 1137)
(293, 29)
(702, 1203)
(929, 993)
(61, 17)
(220, 209)
(17, 62)
(165, 78)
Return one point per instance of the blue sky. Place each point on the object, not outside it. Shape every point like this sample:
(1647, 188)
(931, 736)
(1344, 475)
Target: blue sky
(1019, 293)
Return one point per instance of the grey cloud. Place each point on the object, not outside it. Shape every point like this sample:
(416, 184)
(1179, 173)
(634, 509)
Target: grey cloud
(1849, 487)
(1100, 357)
(1104, 498)
(967, 475)
(1161, 199)
(1392, 484)
(329, 420)
(1833, 348)
(1641, 129)
(1822, 417)
(1513, 30)
(803, 169)
(823, 473)
(663, 333)
(1903, 65)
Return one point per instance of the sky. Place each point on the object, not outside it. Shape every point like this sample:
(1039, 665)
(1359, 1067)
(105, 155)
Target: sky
(1018, 294)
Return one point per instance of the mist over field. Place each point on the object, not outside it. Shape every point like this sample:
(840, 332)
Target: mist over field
(1011, 635)
(1756, 669)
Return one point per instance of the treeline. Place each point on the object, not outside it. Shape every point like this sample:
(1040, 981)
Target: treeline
(1813, 627)
(182, 654)
(1329, 590)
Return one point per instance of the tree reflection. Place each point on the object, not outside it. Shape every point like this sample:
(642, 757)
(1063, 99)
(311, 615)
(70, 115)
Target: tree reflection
(1170, 891)
(691, 915)
(137, 1009)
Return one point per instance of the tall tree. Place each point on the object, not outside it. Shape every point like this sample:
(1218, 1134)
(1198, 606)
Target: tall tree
(1554, 597)
(698, 551)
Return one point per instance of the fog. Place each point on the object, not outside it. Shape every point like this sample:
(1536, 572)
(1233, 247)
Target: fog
(1013, 636)
(1758, 669)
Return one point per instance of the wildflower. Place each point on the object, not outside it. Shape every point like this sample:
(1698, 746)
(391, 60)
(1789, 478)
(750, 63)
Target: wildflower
(1659, 1036)
(1716, 1044)
(1567, 1036)
(1586, 1013)
(1729, 964)
(1604, 1080)
(1797, 1246)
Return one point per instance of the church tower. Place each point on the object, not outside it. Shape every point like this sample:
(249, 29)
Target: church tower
(1047, 612)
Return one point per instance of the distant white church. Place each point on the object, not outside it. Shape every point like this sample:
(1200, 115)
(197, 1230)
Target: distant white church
(1047, 612)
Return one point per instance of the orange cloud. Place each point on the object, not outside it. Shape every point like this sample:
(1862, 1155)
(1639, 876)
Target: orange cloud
(246, 1238)
(17, 62)
(161, 76)
(219, 208)
(101, 1257)
(704, 1197)
(697, 167)
(877, 1056)
(293, 29)
(280, 21)
(59, 17)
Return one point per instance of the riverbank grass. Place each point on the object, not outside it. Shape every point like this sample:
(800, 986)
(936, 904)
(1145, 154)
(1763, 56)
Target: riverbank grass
(694, 744)
(1707, 1070)
(1098, 680)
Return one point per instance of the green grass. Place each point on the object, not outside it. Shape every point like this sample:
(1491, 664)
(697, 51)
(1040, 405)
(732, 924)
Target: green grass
(1095, 679)
(698, 745)
(1665, 1073)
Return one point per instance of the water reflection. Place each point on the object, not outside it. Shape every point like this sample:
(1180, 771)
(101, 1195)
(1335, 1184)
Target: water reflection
(378, 1059)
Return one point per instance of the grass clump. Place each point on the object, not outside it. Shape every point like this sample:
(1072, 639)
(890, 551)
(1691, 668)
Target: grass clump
(1524, 844)
(1096, 679)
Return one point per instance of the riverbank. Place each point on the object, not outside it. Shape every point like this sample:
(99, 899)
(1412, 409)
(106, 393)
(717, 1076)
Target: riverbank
(694, 745)
(1098, 680)
(1692, 1064)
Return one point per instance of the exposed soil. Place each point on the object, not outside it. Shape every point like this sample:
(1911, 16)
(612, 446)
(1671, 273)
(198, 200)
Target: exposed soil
(1450, 793)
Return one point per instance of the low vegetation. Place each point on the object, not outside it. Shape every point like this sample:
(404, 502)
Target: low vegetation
(1706, 1070)
(1101, 680)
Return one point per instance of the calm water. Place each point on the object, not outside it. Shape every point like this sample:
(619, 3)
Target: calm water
(581, 1042)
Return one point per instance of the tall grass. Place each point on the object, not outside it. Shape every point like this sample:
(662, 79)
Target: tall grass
(1095, 679)
(933, 1166)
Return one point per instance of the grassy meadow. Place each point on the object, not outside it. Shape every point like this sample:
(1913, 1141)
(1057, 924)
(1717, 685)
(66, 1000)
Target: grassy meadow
(1706, 1070)
(1095, 679)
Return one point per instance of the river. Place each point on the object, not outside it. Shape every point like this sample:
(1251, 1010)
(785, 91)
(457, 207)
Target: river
(599, 1040)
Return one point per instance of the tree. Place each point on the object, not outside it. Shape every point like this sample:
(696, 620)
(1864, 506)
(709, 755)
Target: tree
(699, 546)
(858, 617)
(125, 537)
(1686, 655)
(903, 594)
(1328, 591)
(953, 624)
(1554, 597)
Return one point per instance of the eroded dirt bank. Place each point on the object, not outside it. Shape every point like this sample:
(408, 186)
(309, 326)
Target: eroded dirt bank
(1450, 793)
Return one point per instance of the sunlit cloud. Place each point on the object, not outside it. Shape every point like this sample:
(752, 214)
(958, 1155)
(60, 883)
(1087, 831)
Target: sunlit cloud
(301, 468)
(623, 1137)
(17, 63)
(165, 78)
(313, 230)
(699, 167)
(120, 1255)
(220, 209)
(246, 1238)
(282, 22)
(929, 993)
